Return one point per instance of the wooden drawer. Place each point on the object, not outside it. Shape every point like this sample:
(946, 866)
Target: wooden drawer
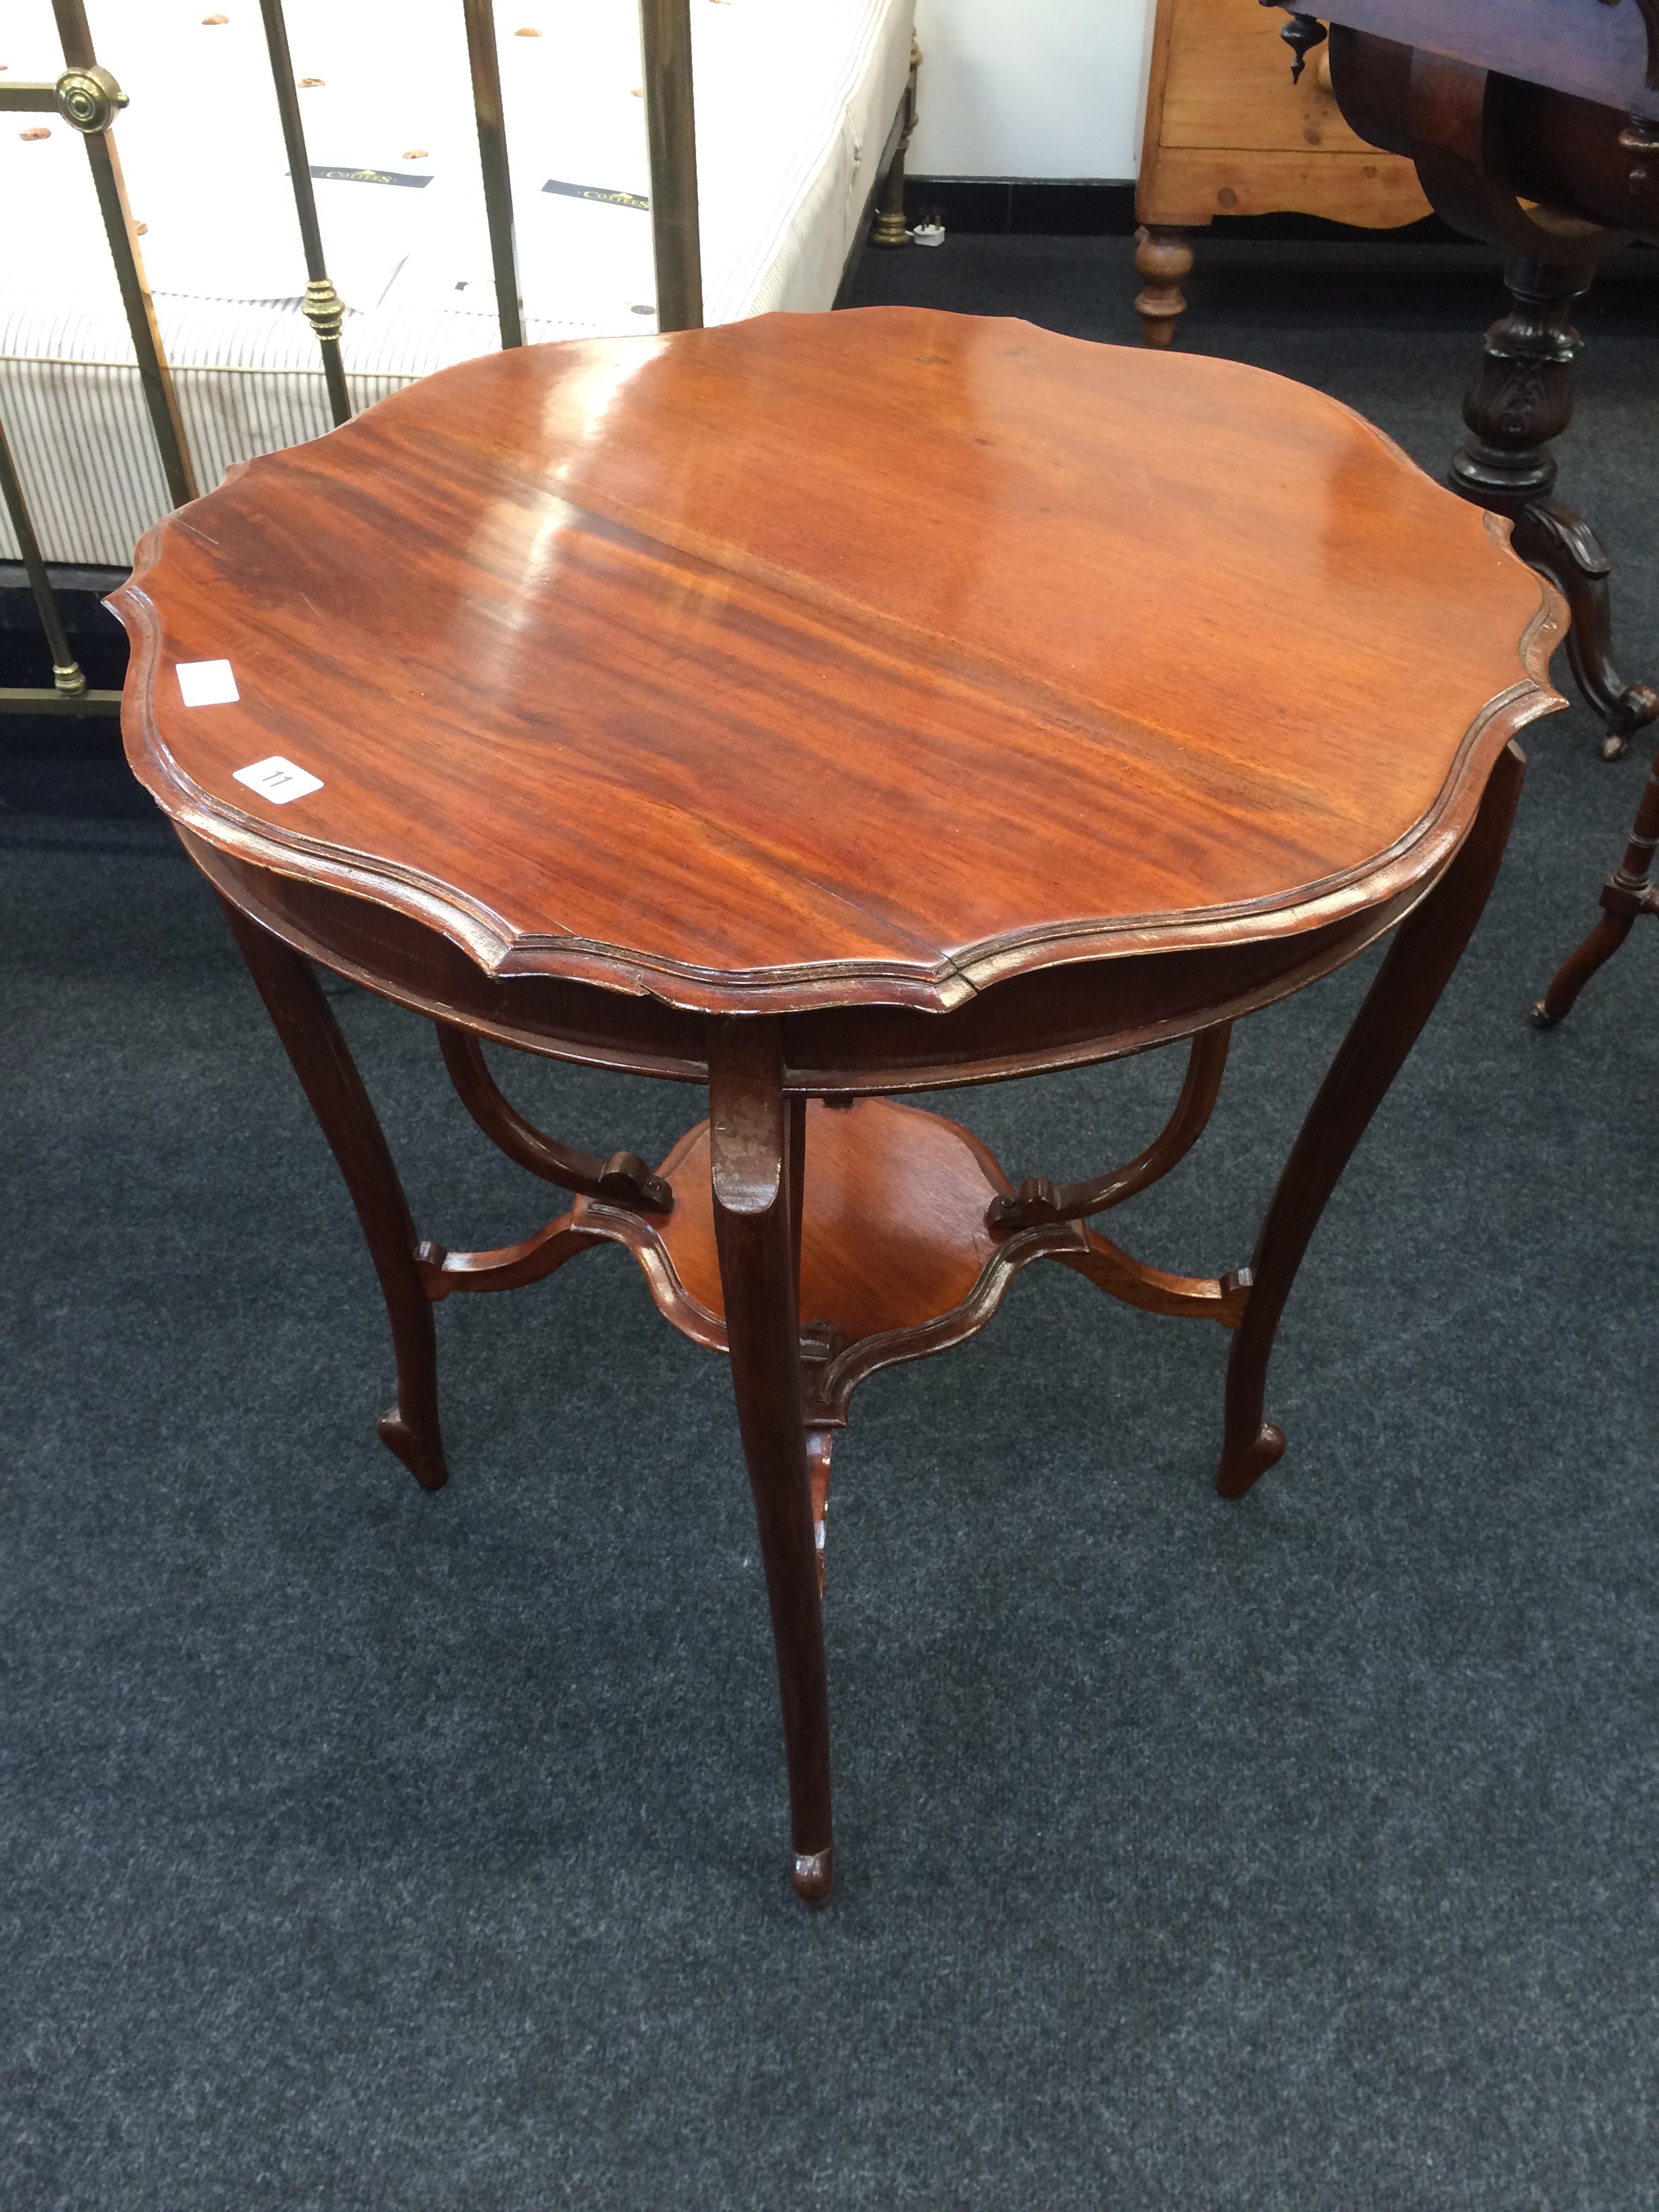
(1227, 133)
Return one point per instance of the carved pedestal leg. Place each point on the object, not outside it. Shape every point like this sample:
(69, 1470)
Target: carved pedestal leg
(1425, 949)
(311, 1037)
(1162, 257)
(1520, 402)
(1627, 892)
(753, 1136)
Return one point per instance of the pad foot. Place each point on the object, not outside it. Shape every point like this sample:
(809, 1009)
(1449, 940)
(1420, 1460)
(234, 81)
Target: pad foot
(424, 1461)
(813, 1873)
(1239, 1469)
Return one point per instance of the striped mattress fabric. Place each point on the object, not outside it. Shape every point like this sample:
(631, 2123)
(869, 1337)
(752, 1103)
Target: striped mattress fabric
(793, 108)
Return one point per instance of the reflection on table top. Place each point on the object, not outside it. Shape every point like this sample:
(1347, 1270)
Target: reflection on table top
(884, 640)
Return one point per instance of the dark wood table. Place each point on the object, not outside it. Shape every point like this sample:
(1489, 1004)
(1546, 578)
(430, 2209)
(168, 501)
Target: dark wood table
(825, 709)
(1534, 125)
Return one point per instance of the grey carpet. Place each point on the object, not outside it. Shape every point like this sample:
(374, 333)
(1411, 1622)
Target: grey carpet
(365, 1848)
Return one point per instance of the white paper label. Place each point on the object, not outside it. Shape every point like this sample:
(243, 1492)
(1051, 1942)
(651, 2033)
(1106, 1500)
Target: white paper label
(207, 684)
(279, 780)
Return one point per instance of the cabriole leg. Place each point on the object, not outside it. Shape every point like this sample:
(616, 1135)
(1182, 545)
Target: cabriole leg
(1426, 948)
(322, 1059)
(754, 1134)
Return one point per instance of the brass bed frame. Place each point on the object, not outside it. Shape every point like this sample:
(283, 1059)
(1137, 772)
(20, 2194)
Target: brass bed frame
(88, 99)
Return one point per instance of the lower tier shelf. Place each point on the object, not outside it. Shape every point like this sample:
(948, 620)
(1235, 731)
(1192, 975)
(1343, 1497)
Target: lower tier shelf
(898, 1258)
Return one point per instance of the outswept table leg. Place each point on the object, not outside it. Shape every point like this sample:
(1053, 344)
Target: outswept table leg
(1426, 947)
(322, 1059)
(754, 1134)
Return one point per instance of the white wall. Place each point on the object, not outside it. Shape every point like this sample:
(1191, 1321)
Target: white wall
(1031, 87)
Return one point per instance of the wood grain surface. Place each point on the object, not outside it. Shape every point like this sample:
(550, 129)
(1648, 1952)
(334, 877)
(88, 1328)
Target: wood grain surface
(1228, 131)
(878, 1175)
(855, 658)
(1228, 85)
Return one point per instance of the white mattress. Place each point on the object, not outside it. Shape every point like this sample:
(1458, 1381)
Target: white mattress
(794, 100)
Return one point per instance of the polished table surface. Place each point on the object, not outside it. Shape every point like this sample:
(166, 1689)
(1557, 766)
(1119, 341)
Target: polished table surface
(822, 707)
(865, 656)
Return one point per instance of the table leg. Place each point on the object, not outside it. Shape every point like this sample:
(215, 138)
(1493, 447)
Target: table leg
(1627, 892)
(753, 1135)
(1162, 257)
(1426, 947)
(322, 1059)
(1519, 404)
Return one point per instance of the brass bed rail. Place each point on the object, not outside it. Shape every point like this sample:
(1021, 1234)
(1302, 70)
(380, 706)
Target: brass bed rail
(87, 98)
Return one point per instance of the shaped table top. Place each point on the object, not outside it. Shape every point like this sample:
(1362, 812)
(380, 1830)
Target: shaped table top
(857, 658)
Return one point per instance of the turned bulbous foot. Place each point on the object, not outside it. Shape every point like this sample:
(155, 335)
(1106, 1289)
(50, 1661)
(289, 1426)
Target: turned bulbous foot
(423, 1458)
(813, 1873)
(1162, 257)
(1242, 1466)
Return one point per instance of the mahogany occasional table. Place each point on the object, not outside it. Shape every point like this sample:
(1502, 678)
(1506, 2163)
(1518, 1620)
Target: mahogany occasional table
(823, 708)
